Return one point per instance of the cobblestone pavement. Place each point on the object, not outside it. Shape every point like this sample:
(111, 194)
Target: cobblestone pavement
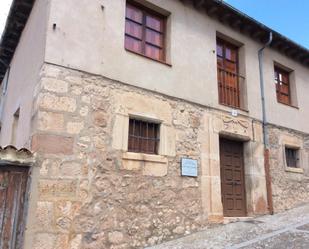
(287, 230)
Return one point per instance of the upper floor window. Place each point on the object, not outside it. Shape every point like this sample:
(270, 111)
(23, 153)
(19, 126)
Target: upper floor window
(144, 32)
(282, 81)
(228, 75)
(143, 137)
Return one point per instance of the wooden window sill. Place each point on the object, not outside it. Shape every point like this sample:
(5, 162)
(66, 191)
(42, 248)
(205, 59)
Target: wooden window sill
(147, 57)
(144, 157)
(294, 170)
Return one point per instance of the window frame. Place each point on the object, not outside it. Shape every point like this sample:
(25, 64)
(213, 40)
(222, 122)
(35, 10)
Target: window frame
(222, 94)
(296, 152)
(277, 71)
(147, 12)
(139, 137)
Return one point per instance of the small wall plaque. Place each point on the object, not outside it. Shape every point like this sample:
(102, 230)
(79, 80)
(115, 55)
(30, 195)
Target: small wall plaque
(188, 167)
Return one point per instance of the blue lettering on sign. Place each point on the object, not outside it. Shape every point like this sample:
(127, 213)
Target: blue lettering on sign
(188, 167)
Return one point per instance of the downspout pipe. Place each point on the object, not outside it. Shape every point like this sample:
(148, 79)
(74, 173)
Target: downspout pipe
(262, 85)
(265, 128)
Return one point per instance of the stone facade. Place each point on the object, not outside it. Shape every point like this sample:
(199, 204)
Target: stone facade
(290, 185)
(93, 196)
(92, 193)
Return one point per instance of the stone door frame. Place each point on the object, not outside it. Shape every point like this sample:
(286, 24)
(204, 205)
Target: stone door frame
(250, 133)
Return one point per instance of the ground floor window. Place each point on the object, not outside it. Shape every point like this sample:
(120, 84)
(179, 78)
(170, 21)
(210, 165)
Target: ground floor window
(292, 157)
(143, 136)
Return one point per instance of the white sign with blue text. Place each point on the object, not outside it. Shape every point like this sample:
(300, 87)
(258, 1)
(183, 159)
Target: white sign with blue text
(188, 167)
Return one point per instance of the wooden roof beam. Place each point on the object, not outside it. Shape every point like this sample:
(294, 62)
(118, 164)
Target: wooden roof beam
(225, 18)
(199, 3)
(211, 11)
(236, 24)
(257, 34)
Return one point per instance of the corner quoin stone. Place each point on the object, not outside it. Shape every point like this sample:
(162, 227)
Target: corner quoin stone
(52, 144)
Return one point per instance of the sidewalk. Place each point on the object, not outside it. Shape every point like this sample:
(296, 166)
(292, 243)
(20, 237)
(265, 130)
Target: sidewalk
(285, 230)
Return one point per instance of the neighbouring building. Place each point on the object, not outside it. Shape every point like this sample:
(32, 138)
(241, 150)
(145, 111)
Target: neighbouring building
(142, 121)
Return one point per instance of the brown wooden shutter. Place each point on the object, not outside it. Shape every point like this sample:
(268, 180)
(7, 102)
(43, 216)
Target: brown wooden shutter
(282, 82)
(228, 79)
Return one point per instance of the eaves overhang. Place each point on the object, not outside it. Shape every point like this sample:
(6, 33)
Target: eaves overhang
(9, 155)
(237, 20)
(18, 16)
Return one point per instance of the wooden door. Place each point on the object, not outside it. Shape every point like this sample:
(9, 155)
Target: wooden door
(13, 185)
(232, 178)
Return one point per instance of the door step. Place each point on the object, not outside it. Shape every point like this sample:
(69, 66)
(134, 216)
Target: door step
(228, 220)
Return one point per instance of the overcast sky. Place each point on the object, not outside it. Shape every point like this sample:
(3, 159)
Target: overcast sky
(4, 10)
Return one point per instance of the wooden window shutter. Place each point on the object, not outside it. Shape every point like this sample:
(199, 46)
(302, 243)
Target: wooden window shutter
(282, 82)
(228, 77)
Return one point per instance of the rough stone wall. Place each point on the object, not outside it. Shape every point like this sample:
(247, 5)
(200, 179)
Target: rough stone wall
(290, 186)
(86, 198)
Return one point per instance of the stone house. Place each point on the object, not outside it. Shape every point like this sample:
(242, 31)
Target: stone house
(148, 120)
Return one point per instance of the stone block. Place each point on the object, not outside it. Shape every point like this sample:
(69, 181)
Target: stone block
(55, 85)
(74, 80)
(120, 132)
(86, 99)
(70, 169)
(74, 127)
(132, 165)
(143, 105)
(50, 121)
(53, 189)
(155, 169)
(100, 119)
(206, 194)
(216, 205)
(115, 237)
(75, 243)
(76, 90)
(167, 140)
(51, 71)
(53, 102)
(44, 216)
(97, 90)
(45, 241)
(84, 111)
(52, 144)
(62, 241)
